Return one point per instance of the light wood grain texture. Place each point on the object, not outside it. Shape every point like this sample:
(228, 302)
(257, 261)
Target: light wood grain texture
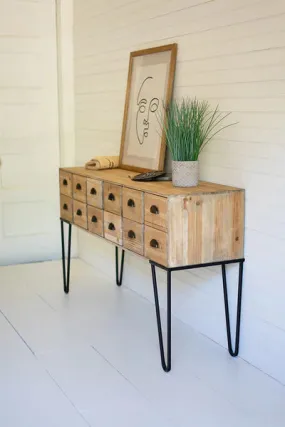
(113, 228)
(133, 234)
(205, 228)
(133, 205)
(66, 208)
(79, 188)
(156, 245)
(149, 51)
(95, 193)
(164, 189)
(80, 214)
(155, 211)
(113, 198)
(175, 227)
(95, 220)
(65, 183)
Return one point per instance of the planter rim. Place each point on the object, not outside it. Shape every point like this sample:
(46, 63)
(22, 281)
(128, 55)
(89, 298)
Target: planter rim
(185, 161)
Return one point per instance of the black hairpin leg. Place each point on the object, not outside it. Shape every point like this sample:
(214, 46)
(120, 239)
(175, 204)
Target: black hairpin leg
(232, 352)
(66, 275)
(166, 365)
(119, 275)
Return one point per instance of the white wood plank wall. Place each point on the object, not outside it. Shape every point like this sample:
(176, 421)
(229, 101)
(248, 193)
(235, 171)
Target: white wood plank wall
(231, 52)
(29, 144)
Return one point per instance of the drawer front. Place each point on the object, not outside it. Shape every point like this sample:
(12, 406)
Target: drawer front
(66, 208)
(155, 245)
(79, 188)
(113, 198)
(155, 211)
(95, 193)
(133, 236)
(133, 204)
(95, 220)
(80, 214)
(113, 228)
(65, 183)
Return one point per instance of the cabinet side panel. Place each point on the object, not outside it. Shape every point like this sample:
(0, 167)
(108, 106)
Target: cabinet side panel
(228, 226)
(176, 227)
(206, 228)
(238, 224)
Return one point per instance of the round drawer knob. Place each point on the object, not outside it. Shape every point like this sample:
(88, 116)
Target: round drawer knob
(131, 234)
(111, 226)
(154, 243)
(94, 218)
(79, 212)
(65, 207)
(154, 210)
(131, 203)
(93, 191)
(78, 186)
(65, 182)
(111, 197)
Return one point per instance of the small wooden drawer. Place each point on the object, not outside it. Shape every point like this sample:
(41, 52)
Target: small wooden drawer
(65, 183)
(155, 211)
(95, 220)
(66, 208)
(113, 227)
(95, 193)
(79, 188)
(113, 198)
(133, 236)
(80, 214)
(133, 204)
(155, 245)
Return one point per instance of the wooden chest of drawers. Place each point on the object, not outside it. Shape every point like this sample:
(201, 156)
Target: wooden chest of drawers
(168, 225)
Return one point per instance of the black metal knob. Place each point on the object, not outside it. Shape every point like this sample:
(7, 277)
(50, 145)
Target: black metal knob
(154, 243)
(154, 210)
(111, 226)
(131, 234)
(79, 212)
(65, 207)
(111, 197)
(131, 203)
(78, 186)
(94, 218)
(93, 191)
(65, 182)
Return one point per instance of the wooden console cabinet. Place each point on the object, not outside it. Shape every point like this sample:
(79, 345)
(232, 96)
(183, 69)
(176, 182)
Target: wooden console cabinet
(171, 226)
(175, 228)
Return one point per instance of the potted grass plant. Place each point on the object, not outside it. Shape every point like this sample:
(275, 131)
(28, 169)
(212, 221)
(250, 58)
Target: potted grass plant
(189, 125)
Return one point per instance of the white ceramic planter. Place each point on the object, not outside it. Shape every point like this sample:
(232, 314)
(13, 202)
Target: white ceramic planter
(185, 174)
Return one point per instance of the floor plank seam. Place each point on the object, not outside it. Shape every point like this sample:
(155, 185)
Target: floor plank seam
(114, 367)
(18, 333)
(46, 302)
(69, 400)
(169, 419)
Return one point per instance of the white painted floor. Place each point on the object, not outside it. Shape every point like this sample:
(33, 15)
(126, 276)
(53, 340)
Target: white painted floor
(92, 359)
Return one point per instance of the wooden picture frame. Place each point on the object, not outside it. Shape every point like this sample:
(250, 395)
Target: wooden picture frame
(149, 88)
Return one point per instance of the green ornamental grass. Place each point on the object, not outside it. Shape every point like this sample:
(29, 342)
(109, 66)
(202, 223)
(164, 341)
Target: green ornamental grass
(189, 126)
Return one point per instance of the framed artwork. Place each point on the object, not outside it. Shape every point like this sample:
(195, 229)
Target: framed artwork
(149, 89)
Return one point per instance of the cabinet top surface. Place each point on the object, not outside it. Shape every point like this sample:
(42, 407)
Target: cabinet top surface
(162, 188)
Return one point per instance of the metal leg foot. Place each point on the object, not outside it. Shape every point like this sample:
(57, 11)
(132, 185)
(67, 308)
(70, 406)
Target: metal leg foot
(66, 275)
(166, 364)
(232, 352)
(119, 275)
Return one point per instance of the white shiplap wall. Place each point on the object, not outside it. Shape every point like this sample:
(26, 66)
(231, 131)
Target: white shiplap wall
(29, 143)
(230, 52)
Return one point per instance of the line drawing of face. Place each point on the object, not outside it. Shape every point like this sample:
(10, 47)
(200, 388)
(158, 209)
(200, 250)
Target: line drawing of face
(146, 107)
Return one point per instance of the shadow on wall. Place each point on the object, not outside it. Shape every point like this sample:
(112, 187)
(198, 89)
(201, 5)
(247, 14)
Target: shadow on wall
(167, 165)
